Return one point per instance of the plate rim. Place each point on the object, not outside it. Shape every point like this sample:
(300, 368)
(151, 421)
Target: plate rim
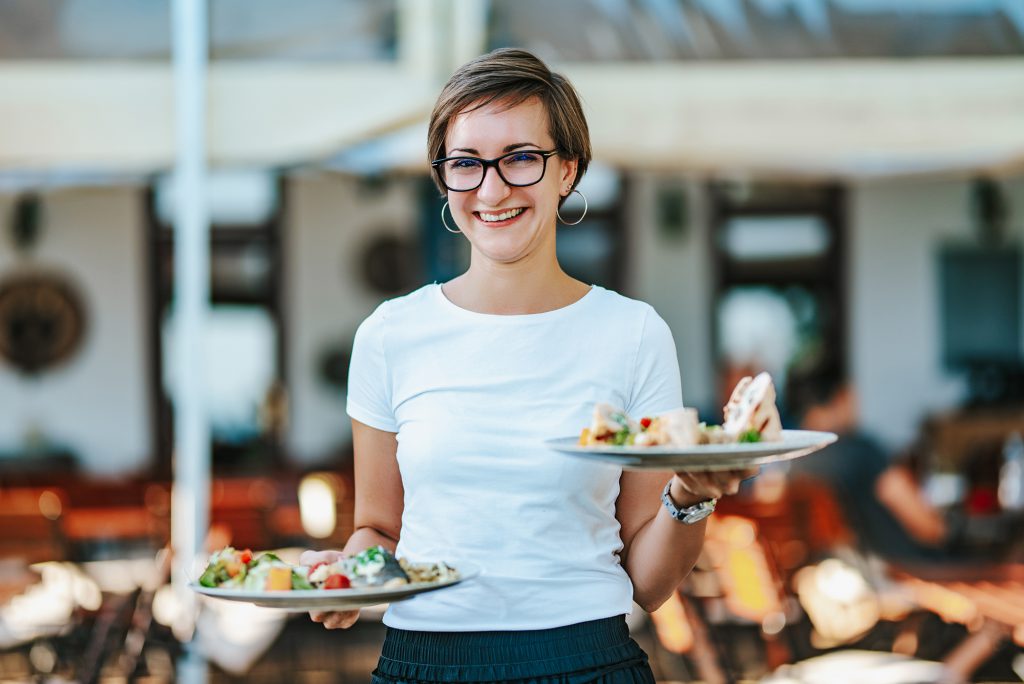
(816, 439)
(466, 569)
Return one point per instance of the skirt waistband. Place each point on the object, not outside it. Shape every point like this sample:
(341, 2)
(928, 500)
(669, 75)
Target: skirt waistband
(505, 655)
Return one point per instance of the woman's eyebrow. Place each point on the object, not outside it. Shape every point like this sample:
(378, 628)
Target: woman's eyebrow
(508, 148)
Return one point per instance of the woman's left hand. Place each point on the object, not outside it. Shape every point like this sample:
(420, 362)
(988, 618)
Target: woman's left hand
(689, 488)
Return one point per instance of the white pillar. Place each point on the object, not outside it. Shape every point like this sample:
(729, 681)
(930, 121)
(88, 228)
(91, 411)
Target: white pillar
(469, 30)
(424, 38)
(191, 492)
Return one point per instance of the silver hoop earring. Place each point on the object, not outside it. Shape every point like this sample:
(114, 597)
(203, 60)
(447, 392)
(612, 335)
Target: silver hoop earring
(445, 223)
(585, 207)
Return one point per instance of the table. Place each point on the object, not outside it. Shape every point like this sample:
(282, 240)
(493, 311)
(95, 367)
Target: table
(969, 594)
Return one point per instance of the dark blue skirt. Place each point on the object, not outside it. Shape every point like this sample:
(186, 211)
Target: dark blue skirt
(595, 652)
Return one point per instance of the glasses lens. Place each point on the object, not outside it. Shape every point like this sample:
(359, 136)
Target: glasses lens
(462, 173)
(522, 168)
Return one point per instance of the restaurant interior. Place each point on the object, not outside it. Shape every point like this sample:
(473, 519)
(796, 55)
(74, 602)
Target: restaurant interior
(828, 190)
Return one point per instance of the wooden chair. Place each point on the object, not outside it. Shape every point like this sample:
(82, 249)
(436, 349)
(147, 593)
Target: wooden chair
(30, 520)
(242, 508)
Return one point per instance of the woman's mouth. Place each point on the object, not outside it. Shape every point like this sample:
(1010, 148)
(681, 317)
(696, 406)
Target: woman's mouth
(500, 218)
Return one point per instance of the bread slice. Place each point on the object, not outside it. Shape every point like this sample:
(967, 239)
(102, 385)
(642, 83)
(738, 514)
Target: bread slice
(678, 427)
(752, 408)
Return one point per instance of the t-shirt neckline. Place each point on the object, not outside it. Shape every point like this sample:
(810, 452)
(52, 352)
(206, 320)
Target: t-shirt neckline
(554, 313)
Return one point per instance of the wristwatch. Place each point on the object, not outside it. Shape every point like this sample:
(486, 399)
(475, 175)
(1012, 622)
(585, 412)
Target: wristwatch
(689, 514)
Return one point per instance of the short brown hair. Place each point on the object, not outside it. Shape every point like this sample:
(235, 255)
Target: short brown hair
(513, 76)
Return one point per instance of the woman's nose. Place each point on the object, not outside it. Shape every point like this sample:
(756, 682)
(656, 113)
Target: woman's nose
(493, 189)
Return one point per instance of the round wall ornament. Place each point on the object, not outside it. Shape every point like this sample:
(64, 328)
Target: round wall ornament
(42, 321)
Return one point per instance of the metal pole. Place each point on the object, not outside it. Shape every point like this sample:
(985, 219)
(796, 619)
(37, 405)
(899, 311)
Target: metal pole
(191, 491)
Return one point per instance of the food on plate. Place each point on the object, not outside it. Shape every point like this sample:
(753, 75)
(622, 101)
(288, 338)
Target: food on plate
(230, 568)
(610, 426)
(750, 415)
(750, 412)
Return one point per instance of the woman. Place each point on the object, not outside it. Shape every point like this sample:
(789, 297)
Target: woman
(454, 387)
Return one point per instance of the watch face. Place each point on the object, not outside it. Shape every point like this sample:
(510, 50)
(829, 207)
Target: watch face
(701, 511)
(42, 321)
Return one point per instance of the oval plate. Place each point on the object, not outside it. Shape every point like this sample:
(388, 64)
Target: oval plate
(302, 600)
(701, 457)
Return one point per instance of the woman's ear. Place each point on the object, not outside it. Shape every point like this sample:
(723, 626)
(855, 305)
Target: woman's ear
(568, 177)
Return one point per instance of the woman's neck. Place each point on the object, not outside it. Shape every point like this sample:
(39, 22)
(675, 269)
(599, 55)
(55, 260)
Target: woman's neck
(510, 289)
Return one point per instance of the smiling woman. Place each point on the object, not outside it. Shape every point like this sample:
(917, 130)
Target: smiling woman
(454, 388)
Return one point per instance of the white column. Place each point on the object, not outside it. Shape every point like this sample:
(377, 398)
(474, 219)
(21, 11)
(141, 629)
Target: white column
(424, 38)
(469, 30)
(191, 493)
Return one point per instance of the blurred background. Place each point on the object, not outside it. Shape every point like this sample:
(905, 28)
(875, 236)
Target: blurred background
(830, 190)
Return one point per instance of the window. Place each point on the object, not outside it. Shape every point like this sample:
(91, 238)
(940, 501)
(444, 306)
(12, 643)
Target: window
(244, 343)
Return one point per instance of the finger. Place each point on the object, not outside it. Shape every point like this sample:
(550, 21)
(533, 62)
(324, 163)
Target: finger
(310, 557)
(726, 482)
(732, 480)
(342, 620)
(711, 485)
(691, 483)
(701, 485)
(318, 616)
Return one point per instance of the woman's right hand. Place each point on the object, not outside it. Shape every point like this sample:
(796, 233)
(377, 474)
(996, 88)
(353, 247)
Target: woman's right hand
(329, 619)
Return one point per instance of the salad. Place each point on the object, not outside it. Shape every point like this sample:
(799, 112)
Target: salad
(230, 568)
(750, 416)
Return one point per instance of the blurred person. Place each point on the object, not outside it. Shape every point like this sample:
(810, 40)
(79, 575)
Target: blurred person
(884, 503)
(882, 500)
(453, 388)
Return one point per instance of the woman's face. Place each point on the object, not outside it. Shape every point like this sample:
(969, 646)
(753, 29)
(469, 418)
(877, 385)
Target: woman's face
(506, 223)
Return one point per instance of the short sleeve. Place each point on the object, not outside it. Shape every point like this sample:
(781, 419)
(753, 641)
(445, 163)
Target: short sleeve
(657, 387)
(369, 378)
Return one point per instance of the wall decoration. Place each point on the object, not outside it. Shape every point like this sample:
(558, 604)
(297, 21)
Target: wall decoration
(673, 211)
(392, 265)
(26, 222)
(332, 364)
(42, 321)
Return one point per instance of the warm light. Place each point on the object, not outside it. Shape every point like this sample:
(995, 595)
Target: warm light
(837, 599)
(49, 505)
(753, 593)
(167, 607)
(672, 627)
(235, 635)
(48, 606)
(741, 533)
(317, 507)
(43, 656)
(773, 623)
(840, 582)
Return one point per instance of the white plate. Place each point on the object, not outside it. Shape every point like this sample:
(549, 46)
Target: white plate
(702, 457)
(302, 600)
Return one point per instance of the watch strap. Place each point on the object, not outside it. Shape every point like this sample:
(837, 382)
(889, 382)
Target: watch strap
(687, 515)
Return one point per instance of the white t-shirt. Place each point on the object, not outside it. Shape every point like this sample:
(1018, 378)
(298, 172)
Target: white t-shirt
(472, 397)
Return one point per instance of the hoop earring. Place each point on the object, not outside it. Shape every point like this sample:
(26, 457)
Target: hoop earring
(585, 207)
(445, 223)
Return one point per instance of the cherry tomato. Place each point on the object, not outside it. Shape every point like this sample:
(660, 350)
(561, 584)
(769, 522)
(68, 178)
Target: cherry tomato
(245, 556)
(645, 423)
(337, 582)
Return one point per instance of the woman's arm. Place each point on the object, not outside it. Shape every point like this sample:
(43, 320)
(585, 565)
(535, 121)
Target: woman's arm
(896, 489)
(659, 551)
(379, 494)
(379, 504)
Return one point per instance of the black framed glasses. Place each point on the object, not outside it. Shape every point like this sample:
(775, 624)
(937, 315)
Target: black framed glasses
(518, 169)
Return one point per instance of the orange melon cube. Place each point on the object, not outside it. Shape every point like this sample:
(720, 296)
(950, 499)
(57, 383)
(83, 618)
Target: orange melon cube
(279, 579)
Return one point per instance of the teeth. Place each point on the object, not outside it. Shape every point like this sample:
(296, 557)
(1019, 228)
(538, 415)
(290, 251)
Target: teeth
(505, 215)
